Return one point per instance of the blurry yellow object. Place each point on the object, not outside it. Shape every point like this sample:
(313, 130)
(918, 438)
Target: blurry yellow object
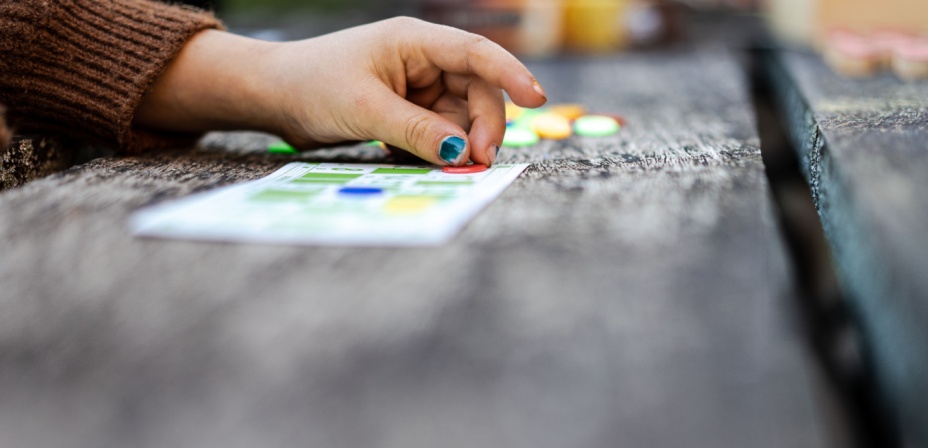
(541, 27)
(595, 25)
(408, 204)
(513, 112)
(552, 126)
(568, 111)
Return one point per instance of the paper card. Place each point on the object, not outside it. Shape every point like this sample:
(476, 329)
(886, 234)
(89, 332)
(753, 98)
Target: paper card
(333, 204)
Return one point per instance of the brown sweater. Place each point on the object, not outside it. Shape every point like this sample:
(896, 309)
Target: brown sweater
(80, 67)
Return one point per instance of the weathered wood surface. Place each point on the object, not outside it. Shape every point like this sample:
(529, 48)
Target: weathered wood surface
(864, 150)
(628, 291)
(29, 158)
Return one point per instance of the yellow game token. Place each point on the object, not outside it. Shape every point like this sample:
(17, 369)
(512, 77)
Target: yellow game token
(513, 112)
(568, 111)
(552, 126)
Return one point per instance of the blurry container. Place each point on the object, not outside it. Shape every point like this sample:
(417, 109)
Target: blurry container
(595, 25)
(793, 20)
(526, 27)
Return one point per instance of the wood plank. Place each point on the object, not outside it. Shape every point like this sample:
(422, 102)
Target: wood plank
(864, 150)
(31, 157)
(626, 291)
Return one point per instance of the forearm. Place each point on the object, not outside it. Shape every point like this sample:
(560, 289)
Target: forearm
(214, 83)
(80, 68)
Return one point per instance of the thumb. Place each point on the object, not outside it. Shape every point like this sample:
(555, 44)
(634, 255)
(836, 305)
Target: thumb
(420, 131)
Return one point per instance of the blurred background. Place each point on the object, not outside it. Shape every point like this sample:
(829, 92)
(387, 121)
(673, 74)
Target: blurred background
(541, 28)
(530, 28)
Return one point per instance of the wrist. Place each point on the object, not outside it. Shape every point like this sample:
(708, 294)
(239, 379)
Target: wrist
(216, 82)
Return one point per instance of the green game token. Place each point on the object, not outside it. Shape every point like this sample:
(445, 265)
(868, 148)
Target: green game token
(595, 126)
(280, 148)
(525, 120)
(519, 137)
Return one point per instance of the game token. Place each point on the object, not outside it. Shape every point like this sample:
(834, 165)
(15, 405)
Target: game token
(513, 112)
(280, 147)
(618, 118)
(516, 136)
(552, 126)
(595, 126)
(525, 119)
(466, 169)
(568, 111)
(360, 191)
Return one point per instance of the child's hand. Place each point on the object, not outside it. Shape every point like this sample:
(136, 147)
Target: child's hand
(432, 90)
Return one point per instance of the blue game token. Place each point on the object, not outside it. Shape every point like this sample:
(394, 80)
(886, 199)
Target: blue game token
(360, 191)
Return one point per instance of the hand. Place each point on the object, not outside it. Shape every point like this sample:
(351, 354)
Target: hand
(429, 89)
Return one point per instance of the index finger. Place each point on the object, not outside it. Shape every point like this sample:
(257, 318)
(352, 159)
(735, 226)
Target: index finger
(459, 52)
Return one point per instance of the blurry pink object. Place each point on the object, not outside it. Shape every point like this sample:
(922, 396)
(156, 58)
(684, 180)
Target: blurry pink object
(888, 40)
(852, 54)
(910, 60)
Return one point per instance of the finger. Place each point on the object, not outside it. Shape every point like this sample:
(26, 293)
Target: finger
(460, 52)
(402, 157)
(454, 109)
(487, 114)
(420, 131)
(428, 95)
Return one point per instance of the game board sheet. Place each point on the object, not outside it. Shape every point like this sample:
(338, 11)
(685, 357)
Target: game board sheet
(333, 204)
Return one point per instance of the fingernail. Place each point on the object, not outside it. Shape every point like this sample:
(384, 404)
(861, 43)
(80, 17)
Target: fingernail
(538, 89)
(451, 149)
(494, 150)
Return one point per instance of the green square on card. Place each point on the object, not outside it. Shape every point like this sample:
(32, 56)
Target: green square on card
(274, 195)
(402, 171)
(325, 178)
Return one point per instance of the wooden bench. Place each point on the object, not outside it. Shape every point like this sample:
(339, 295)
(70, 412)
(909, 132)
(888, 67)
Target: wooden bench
(626, 291)
(29, 158)
(863, 146)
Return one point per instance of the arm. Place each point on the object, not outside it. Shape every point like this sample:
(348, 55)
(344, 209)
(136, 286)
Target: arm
(80, 67)
(4, 132)
(408, 83)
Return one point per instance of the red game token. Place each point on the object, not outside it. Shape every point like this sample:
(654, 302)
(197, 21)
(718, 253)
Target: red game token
(466, 169)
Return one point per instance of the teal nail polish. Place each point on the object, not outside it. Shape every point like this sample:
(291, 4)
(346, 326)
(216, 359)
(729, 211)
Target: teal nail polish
(497, 149)
(451, 148)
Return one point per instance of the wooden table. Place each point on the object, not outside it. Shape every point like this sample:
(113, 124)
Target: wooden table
(627, 291)
(863, 146)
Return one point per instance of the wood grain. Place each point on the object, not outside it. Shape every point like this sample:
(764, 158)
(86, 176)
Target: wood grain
(864, 150)
(625, 291)
(28, 158)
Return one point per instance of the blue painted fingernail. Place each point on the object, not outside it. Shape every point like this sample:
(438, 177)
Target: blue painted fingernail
(451, 148)
(493, 152)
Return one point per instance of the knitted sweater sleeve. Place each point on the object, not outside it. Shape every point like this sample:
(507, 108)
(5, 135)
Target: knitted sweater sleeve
(80, 67)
